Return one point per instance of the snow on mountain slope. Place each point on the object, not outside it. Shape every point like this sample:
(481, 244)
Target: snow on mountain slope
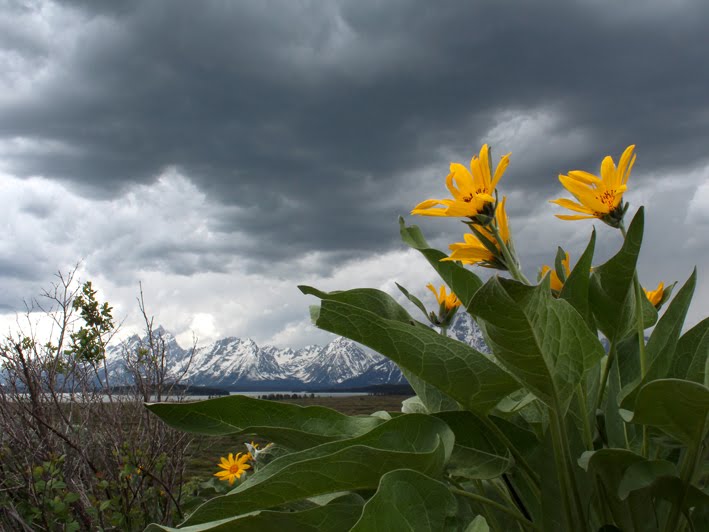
(235, 362)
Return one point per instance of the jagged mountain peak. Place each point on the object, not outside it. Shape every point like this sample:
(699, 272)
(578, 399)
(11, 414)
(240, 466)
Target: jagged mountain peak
(239, 362)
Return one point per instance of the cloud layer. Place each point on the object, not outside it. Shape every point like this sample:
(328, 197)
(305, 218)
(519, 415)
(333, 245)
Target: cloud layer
(225, 151)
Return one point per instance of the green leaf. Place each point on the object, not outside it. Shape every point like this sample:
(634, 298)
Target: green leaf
(376, 301)
(414, 405)
(290, 425)
(478, 525)
(660, 349)
(576, 287)
(641, 475)
(615, 428)
(541, 340)
(670, 488)
(333, 517)
(559, 264)
(692, 354)
(454, 368)
(478, 453)
(678, 408)
(461, 281)
(411, 441)
(606, 468)
(433, 399)
(415, 300)
(611, 290)
(407, 500)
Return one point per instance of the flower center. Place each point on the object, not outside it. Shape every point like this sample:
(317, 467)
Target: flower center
(469, 197)
(607, 198)
(234, 469)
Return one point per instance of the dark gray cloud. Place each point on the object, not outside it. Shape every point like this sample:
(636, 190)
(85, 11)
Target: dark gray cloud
(312, 117)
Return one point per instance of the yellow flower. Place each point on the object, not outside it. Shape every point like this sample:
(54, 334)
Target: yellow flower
(556, 283)
(473, 251)
(233, 467)
(599, 197)
(655, 296)
(449, 301)
(471, 190)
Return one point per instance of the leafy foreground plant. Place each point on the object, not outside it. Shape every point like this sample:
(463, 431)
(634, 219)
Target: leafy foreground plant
(548, 432)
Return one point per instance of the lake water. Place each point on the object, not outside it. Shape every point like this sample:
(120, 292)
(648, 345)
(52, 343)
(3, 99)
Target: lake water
(67, 397)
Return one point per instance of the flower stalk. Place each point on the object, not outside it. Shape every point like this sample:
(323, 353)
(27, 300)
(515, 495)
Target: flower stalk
(510, 259)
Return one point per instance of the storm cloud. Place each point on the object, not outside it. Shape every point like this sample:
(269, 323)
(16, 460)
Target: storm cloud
(246, 134)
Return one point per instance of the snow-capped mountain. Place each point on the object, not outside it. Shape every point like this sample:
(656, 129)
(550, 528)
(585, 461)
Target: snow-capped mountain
(240, 363)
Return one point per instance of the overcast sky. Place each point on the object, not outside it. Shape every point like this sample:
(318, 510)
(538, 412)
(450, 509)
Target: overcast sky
(223, 152)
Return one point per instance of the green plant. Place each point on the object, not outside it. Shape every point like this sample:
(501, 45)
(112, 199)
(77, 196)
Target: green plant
(550, 431)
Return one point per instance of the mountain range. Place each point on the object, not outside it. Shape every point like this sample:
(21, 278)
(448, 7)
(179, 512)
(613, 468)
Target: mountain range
(240, 364)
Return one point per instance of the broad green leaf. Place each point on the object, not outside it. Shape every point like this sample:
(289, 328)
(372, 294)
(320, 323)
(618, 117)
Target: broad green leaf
(433, 399)
(641, 475)
(678, 408)
(670, 488)
(413, 405)
(692, 354)
(611, 289)
(456, 369)
(575, 289)
(541, 340)
(385, 306)
(334, 517)
(605, 469)
(618, 434)
(411, 441)
(660, 349)
(478, 525)
(290, 425)
(407, 500)
(461, 281)
(376, 301)
(478, 453)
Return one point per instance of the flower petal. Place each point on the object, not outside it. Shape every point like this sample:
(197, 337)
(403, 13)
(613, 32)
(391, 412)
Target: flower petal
(585, 195)
(501, 167)
(608, 173)
(463, 180)
(574, 217)
(571, 205)
(584, 177)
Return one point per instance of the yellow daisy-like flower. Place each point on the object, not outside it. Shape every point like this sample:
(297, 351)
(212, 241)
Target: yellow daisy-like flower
(449, 301)
(233, 467)
(655, 296)
(599, 197)
(473, 251)
(471, 190)
(556, 283)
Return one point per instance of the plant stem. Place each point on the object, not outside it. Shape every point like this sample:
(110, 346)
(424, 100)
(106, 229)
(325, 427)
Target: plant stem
(487, 513)
(640, 326)
(689, 464)
(494, 504)
(574, 508)
(583, 399)
(510, 260)
(606, 371)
